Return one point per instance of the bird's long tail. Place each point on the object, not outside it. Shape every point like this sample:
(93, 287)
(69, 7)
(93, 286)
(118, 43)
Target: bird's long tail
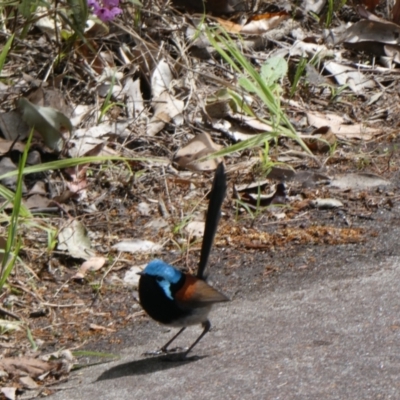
(217, 196)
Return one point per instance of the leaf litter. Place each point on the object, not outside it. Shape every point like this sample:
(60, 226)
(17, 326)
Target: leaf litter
(162, 97)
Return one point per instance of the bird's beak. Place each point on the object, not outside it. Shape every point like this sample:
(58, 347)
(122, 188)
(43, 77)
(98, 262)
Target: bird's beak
(139, 273)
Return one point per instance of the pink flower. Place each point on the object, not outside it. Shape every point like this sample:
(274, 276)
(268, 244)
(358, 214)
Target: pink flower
(106, 14)
(111, 3)
(105, 10)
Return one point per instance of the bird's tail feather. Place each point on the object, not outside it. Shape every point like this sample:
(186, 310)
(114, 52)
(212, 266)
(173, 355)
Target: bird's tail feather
(217, 196)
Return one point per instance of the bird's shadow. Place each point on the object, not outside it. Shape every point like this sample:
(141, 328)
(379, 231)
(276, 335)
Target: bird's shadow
(148, 365)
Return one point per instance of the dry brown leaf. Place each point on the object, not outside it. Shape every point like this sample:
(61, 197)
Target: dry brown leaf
(86, 142)
(74, 239)
(38, 188)
(200, 146)
(78, 180)
(257, 26)
(7, 145)
(195, 229)
(322, 140)
(264, 23)
(13, 127)
(229, 26)
(218, 109)
(63, 198)
(134, 102)
(25, 365)
(93, 264)
(161, 78)
(345, 75)
(28, 382)
(9, 392)
(372, 32)
(166, 108)
(339, 127)
(137, 246)
(144, 55)
(96, 62)
(7, 165)
(37, 201)
(50, 98)
(361, 181)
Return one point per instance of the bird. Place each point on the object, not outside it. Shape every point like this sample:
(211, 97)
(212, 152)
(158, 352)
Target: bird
(177, 299)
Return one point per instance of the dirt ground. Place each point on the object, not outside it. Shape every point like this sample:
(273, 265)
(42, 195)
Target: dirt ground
(321, 242)
(308, 320)
(285, 244)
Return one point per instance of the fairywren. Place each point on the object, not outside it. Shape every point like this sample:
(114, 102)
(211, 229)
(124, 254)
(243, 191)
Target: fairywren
(177, 299)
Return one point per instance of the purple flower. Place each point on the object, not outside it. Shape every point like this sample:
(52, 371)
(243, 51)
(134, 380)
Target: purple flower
(111, 3)
(94, 5)
(105, 10)
(107, 15)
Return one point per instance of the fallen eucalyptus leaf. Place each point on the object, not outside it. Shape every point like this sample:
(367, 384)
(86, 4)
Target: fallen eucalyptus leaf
(166, 108)
(137, 246)
(325, 204)
(195, 229)
(93, 264)
(358, 181)
(25, 365)
(28, 382)
(74, 239)
(200, 146)
(10, 393)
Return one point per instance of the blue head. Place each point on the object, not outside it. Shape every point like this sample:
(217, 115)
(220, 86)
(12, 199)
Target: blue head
(165, 274)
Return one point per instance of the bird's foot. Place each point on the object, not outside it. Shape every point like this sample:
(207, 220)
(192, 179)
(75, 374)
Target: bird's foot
(174, 350)
(153, 353)
(164, 351)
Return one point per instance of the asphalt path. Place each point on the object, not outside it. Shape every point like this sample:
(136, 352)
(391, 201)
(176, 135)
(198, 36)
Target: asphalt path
(335, 337)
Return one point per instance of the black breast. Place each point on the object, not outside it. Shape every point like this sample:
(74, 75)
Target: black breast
(156, 303)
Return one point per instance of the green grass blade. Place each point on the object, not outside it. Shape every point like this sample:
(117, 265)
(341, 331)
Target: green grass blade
(12, 248)
(4, 52)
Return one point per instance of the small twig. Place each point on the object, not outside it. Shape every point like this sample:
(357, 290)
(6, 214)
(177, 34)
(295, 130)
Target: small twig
(58, 290)
(62, 305)
(45, 210)
(60, 324)
(109, 269)
(10, 314)
(104, 277)
(166, 187)
(21, 286)
(388, 162)
(62, 208)
(135, 315)
(162, 208)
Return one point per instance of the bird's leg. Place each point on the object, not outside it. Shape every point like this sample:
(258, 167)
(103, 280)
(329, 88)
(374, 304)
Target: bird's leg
(206, 325)
(182, 356)
(164, 349)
